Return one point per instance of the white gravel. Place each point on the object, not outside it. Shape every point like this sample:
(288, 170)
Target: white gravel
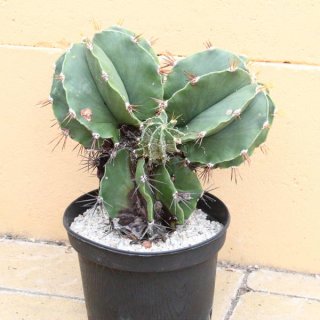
(94, 226)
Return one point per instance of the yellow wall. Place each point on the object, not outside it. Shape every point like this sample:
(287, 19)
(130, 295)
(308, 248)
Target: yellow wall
(275, 209)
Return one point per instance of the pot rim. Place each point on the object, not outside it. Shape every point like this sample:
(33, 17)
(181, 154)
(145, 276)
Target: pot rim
(220, 234)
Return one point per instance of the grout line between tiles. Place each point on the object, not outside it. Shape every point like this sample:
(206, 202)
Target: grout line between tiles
(243, 288)
(39, 293)
(228, 264)
(283, 295)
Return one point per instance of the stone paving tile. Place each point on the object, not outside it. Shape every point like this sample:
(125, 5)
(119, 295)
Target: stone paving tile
(264, 306)
(50, 269)
(44, 272)
(39, 268)
(17, 306)
(307, 286)
(228, 282)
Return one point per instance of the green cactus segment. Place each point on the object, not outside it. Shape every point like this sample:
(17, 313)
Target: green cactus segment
(199, 64)
(59, 103)
(261, 138)
(143, 42)
(219, 115)
(60, 108)
(136, 68)
(110, 86)
(143, 187)
(83, 96)
(209, 89)
(235, 139)
(116, 184)
(187, 184)
(103, 70)
(166, 192)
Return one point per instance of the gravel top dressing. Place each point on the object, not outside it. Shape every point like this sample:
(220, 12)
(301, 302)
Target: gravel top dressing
(95, 226)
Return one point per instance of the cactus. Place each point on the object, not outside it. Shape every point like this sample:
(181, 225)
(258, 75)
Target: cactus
(147, 128)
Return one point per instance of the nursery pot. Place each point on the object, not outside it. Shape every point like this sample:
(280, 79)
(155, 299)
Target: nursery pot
(172, 285)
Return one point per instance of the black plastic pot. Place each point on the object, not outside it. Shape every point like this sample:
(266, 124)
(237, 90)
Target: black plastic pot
(174, 285)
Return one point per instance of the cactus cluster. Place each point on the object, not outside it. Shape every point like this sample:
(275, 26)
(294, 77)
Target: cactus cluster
(148, 128)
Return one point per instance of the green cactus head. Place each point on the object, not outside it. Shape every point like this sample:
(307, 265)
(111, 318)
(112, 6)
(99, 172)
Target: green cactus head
(147, 128)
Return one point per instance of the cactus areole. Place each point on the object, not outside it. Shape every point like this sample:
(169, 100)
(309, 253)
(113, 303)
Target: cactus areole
(149, 128)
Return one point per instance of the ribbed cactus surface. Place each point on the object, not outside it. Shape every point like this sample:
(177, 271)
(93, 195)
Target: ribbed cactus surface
(147, 128)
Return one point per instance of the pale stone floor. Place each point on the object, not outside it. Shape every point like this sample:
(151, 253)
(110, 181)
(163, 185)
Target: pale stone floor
(41, 281)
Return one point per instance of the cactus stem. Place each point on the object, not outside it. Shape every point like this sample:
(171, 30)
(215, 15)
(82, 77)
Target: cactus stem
(229, 112)
(193, 79)
(61, 137)
(245, 155)
(104, 76)
(86, 114)
(235, 173)
(208, 45)
(45, 102)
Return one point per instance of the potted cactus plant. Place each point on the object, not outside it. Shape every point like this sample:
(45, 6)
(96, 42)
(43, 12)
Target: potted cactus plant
(150, 132)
